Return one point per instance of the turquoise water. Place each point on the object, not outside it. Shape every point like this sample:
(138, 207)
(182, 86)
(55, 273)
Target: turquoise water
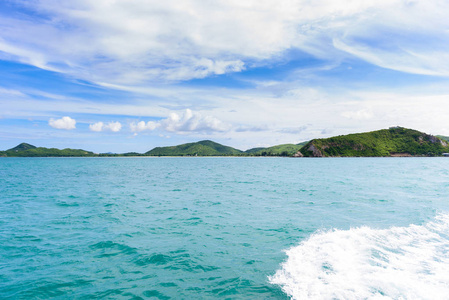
(237, 228)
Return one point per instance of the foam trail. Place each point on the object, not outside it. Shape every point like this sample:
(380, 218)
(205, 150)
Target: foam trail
(363, 263)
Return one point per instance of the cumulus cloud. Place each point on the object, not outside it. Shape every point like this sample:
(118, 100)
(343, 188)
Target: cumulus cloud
(96, 127)
(185, 122)
(111, 126)
(138, 41)
(190, 121)
(142, 126)
(66, 123)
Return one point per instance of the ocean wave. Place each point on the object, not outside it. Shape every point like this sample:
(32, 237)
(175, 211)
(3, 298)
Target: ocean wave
(364, 263)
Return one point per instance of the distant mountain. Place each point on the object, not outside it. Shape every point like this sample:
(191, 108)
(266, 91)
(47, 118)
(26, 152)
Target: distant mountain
(27, 150)
(21, 147)
(202, 148)
(396, 141)
(444, 138)
(254, 150)
(279, 150)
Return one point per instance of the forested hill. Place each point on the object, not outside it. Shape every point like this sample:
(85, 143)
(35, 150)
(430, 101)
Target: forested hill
(279, 150)
(27, 150)
(209, 148)
(202, 148)
(396, 141)
(444, 138)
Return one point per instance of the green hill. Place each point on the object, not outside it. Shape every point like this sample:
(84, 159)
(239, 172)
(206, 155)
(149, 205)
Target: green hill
(27, 150)
(442, 137)
(254, 150)
(279, 150)
(302, 144)
(396, 141)
(202, 148)
(21, 147)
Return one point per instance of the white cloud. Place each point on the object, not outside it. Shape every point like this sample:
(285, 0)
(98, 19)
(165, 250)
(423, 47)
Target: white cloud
(8, 93)
(185, 122)
(190, 121)
(294, 130)
(145, 41)
(66, 123)
(142, 126)
(111, 126)
(363, 114)
(96, 126)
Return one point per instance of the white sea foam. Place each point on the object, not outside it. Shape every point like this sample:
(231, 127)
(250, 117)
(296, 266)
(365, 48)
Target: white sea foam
(364, 263)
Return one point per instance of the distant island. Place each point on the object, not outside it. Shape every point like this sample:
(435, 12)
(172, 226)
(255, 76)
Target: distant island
(209, 148)
(392, 142)
(395, 141)
(27, 150)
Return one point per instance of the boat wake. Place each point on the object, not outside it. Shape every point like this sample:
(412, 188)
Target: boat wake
(364, 263)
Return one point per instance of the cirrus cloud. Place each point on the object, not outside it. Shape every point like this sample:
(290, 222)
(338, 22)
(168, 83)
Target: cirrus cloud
(145, 41)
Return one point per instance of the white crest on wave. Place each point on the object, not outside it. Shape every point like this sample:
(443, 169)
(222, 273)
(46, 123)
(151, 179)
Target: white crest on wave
(364, 263)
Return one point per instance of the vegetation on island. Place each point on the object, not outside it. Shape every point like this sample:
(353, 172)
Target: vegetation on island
(209, 148)
(27, 150)
(444, 138)
(279, 150)
(201, 148)
(396, 141)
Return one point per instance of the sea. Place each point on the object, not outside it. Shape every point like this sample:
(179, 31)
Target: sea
(224, 228)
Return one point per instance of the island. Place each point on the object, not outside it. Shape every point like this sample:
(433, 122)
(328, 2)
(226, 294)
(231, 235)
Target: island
(27, 150)
(392, 142)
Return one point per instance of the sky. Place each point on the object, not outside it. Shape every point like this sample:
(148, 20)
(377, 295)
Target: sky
(130, 75)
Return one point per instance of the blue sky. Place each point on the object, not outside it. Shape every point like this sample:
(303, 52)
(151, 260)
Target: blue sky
(132, 75)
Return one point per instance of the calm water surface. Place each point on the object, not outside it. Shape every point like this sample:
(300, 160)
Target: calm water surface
(237, 228)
